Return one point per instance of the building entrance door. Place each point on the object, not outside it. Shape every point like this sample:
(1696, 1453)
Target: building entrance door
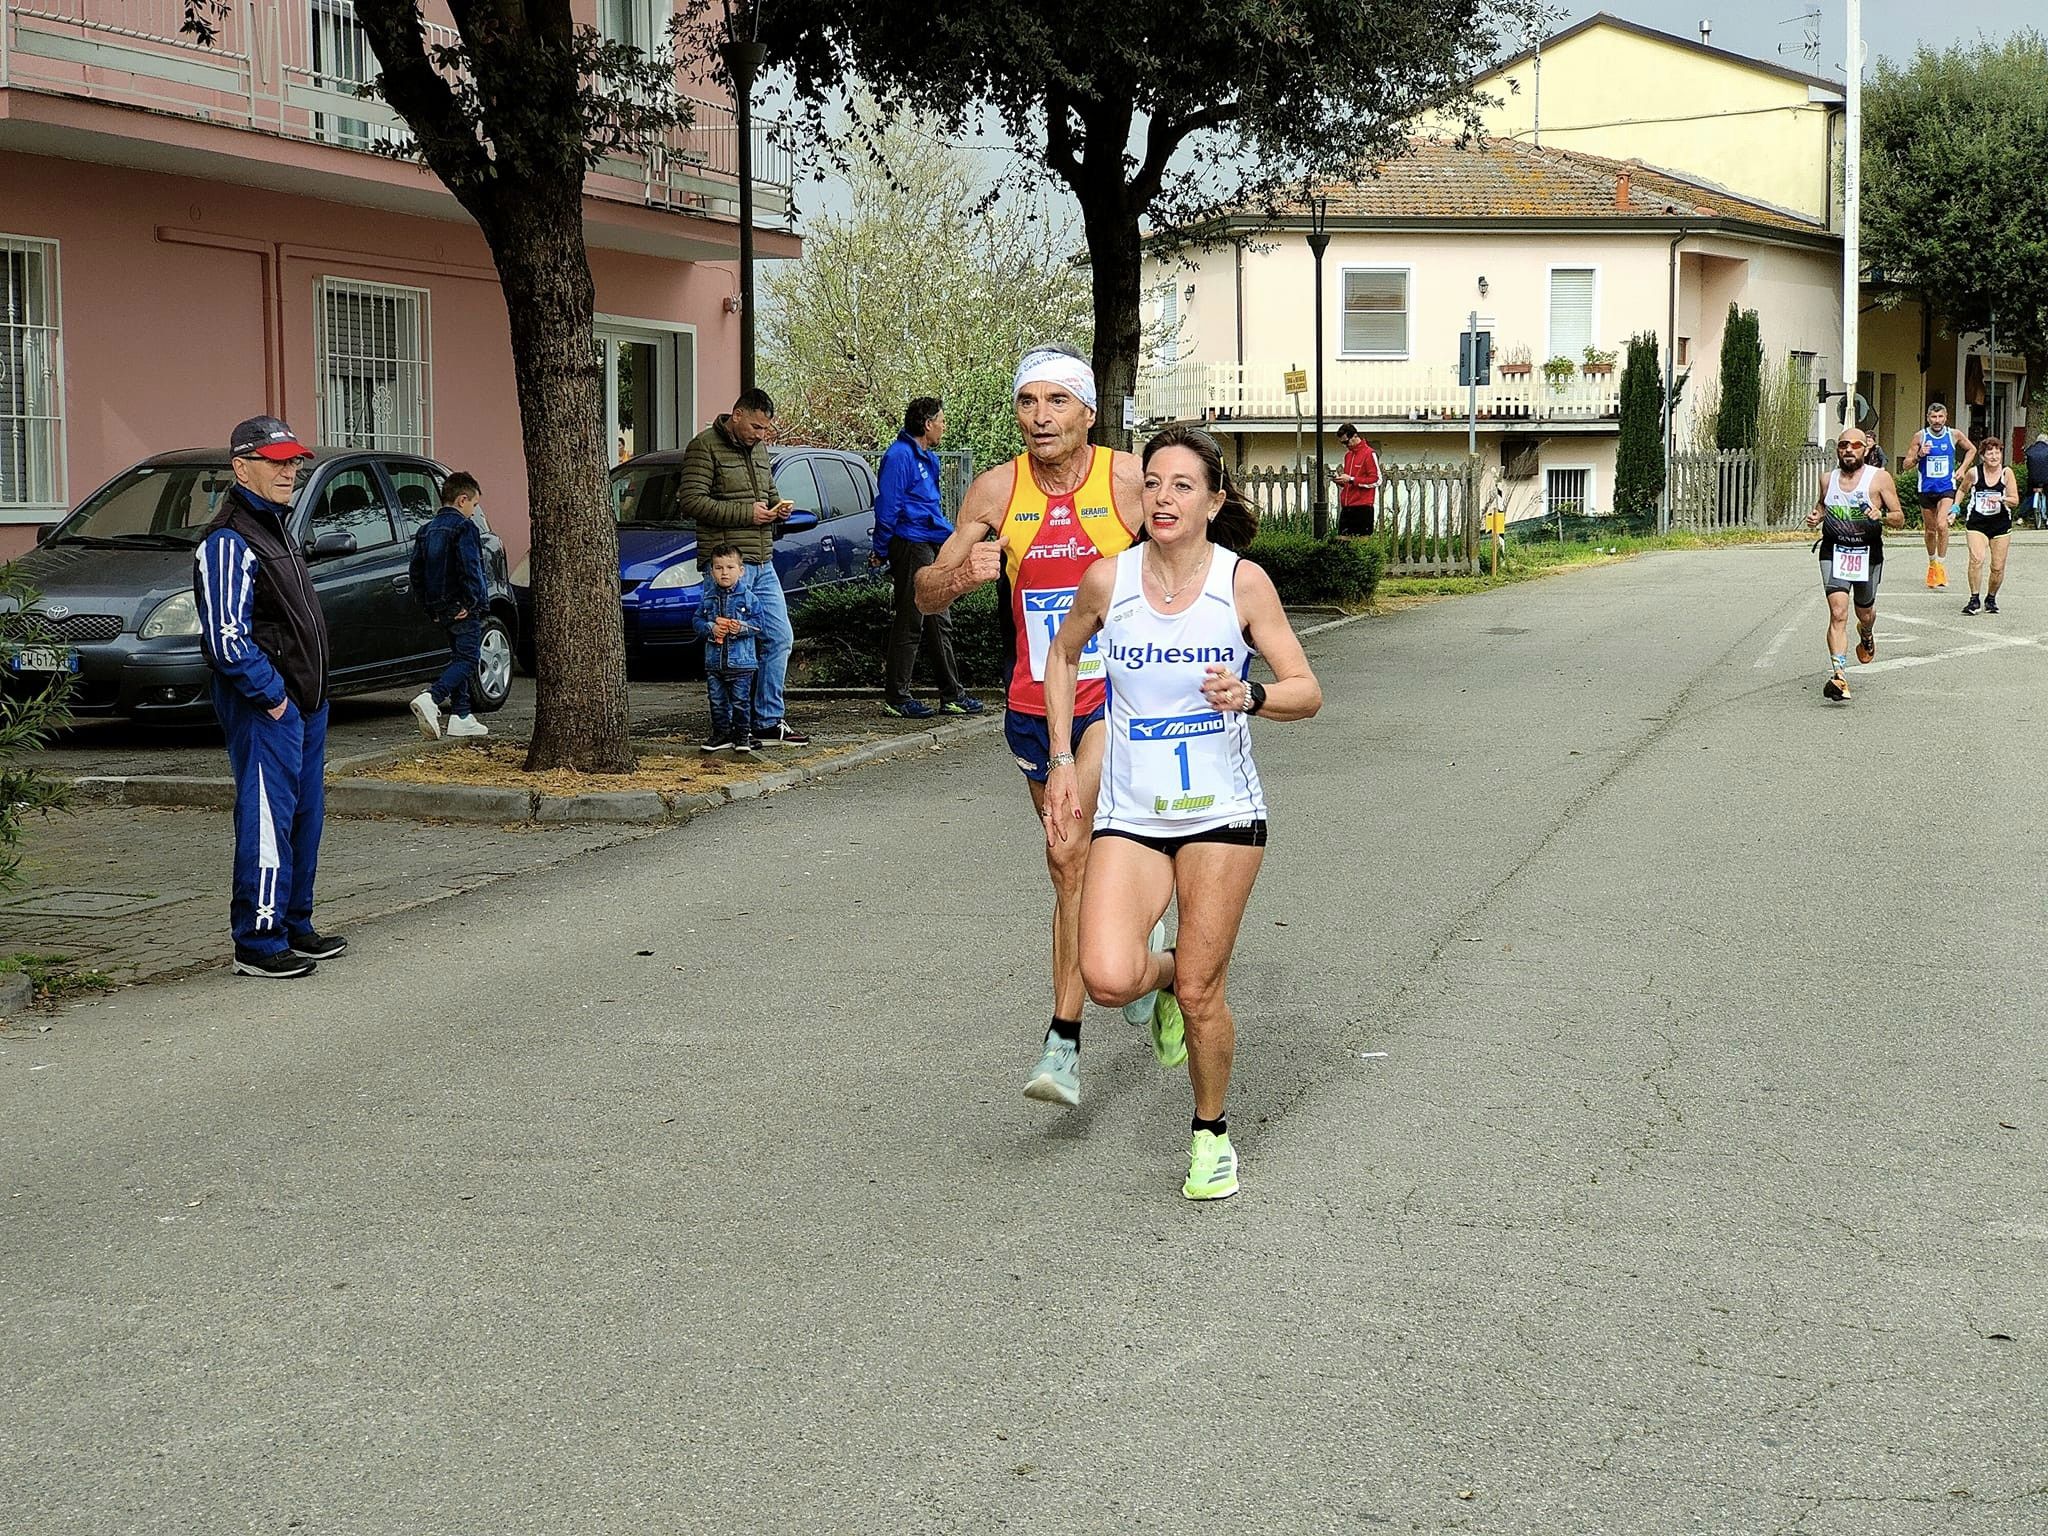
(649, 388)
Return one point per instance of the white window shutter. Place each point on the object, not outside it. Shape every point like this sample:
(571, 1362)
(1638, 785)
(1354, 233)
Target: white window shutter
(1571, 312)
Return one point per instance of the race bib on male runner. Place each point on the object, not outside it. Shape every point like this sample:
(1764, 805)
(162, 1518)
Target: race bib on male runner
(1852, 562)
(1045, 609)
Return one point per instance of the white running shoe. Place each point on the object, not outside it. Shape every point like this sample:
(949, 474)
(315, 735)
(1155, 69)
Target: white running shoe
(1139, 1009)
(467, 725)
(428, 713)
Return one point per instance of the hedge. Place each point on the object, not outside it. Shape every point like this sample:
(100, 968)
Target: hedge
(842, 631)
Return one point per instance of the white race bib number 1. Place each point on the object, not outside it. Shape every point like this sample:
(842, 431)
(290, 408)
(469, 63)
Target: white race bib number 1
(1045, 609)
(1852, 562)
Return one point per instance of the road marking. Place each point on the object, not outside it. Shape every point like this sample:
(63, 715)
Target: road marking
(1770, 655)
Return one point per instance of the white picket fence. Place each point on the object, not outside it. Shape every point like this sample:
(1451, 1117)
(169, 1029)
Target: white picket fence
(1422, 519)
(1729, 488)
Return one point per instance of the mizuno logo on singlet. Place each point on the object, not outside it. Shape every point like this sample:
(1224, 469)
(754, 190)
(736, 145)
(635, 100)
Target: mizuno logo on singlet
(1136, 656)
(1173, 727)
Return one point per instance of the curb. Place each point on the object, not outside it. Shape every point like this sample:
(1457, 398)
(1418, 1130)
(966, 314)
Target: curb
(464, 802)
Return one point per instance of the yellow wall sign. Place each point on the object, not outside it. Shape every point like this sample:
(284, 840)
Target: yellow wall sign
(1297, 381)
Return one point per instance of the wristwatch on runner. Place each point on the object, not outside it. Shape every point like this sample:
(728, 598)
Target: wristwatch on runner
(1059, 760)
(1255, 697)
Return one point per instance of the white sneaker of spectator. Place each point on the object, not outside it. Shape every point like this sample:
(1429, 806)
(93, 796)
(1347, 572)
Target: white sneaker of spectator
(428, 713)
(467, 725)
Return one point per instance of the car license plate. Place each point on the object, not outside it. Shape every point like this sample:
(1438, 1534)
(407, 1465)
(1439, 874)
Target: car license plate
(43, 659)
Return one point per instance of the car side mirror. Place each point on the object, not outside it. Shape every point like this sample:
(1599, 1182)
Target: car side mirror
(797, 522)
(43, 534)
(328, 545)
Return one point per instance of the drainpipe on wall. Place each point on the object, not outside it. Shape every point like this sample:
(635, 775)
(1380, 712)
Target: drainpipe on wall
(1670, 371)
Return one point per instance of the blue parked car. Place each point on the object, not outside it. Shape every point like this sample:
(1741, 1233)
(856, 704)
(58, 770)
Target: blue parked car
(825, 541)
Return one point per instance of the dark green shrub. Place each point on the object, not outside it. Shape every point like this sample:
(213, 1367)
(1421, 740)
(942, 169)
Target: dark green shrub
(1639, 455)
(1306, 569)
(842, 632)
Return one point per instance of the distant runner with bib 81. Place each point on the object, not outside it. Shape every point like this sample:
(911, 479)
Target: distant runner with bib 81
(1934, 452)
(1857, 503)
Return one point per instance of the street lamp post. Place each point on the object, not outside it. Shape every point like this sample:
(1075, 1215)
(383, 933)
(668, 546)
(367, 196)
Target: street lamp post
(1319, 242)
(743, 59)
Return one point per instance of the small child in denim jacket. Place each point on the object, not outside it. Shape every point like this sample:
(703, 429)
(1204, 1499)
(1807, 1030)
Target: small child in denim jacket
(727, 622)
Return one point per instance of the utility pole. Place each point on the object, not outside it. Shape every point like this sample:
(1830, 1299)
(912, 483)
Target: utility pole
(743, 60)
(1319, 242)
(1852, 207)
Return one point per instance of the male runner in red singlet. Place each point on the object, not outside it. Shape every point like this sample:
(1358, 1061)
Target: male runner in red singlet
(1037, 523)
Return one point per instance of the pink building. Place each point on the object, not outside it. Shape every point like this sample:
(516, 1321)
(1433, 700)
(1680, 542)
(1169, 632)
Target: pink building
(192, 235)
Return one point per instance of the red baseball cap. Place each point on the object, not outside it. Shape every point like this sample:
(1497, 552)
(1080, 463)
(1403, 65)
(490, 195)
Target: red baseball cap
(265, 437)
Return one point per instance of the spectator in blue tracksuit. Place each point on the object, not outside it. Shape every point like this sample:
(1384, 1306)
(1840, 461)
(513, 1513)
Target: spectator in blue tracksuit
(731, 626)
(910, 525)
(265, 637)
(448, 579)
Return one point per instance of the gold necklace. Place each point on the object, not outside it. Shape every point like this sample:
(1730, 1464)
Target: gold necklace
(1172, 593)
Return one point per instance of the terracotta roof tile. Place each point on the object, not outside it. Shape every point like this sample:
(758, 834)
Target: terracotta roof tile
(1507, 179)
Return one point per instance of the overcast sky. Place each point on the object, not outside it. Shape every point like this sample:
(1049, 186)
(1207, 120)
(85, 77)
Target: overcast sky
(1760, 28)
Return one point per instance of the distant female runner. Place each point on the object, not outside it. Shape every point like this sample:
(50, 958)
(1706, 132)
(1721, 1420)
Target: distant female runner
(1181, 811)
(1987, 522)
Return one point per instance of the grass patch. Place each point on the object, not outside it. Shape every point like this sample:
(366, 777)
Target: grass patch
(1527, 559)
(57, 978)
(668, 765)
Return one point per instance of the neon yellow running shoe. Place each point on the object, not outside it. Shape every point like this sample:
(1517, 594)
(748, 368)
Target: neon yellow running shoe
(1212, 1167)
(1168, 1031)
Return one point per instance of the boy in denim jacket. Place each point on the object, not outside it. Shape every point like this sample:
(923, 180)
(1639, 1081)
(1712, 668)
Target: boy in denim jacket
(726, 620)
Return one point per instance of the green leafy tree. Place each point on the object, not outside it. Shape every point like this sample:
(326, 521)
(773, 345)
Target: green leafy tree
(1955, 199)
(1639, 455)
(1742, 361)
(926, 286)
(511, 117)
(1152, 110)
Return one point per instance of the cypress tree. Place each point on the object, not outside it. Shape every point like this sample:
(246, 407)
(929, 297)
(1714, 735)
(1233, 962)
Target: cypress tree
(1742, 366)
(1639, 456)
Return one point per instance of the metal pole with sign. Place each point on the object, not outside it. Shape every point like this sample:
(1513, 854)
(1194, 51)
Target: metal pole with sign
(1297, 386)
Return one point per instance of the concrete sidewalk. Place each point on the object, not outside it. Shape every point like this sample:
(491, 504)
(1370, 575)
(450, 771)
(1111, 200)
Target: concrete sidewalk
(140, 891)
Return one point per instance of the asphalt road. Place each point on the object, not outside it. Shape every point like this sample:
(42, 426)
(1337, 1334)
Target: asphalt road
(1641, 1099)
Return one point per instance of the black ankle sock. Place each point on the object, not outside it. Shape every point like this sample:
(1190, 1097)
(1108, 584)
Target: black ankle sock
(1068, 1030)
(1216, 1127)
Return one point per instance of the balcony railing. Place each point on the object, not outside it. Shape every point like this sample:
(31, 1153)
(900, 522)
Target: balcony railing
(295, 69)
(1221, 393)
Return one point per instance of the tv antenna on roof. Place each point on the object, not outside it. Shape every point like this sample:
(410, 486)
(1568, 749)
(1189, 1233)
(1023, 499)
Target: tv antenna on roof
(1808, 46)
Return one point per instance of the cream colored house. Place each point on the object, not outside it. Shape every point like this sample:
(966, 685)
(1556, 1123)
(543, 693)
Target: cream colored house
(1765, 132)
(1614, 88)
(1561, 254)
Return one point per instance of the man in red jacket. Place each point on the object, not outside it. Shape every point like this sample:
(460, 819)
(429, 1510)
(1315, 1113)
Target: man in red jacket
(1358, 483)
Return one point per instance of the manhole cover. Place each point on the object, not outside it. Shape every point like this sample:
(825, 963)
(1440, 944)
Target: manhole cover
(1504, 630)
(80, 903)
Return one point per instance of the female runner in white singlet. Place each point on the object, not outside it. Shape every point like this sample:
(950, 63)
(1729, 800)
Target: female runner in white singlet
(1181, 813)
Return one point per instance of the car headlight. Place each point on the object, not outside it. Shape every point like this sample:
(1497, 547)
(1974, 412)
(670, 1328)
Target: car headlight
(682, 574)
(522, 573)
(175, 615)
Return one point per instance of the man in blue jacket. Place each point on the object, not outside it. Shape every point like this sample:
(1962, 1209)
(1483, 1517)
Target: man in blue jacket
(265, 637)
(910, 525)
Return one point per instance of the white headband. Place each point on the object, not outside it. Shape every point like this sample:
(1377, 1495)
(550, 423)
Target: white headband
(1047, 366)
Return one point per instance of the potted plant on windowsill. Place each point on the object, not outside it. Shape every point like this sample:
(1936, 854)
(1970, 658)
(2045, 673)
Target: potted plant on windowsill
(1515, 363)
(1558, 372)
(1598, 364)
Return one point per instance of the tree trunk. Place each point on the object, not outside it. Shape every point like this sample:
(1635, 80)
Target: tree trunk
(580, 719)
(1116, 261)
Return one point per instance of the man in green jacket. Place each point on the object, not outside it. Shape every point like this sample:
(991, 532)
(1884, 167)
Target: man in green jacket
(727, 483)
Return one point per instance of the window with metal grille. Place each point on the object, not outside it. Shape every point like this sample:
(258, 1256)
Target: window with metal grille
(1571, 311)
(31, 393)
(376, 371)
(1567, 491)
(1375, 312)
